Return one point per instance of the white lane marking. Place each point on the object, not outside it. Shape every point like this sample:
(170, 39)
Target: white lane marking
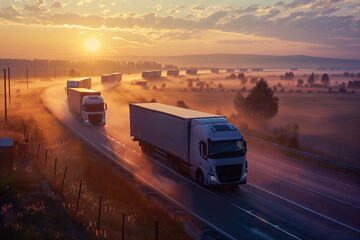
(303, 170)
(311, 190)
(305, 208)
(216, 195)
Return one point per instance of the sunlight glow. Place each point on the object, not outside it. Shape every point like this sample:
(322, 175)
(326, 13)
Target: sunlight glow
(92, 44)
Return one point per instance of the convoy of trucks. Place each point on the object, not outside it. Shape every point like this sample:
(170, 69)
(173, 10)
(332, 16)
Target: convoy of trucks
(206, 146)
(87, 105)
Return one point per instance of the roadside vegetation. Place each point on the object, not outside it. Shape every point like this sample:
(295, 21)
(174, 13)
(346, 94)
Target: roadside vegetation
(34, 205)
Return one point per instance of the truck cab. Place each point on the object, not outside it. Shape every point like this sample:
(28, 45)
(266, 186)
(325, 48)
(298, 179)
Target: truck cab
(93, 110)
(218, 152)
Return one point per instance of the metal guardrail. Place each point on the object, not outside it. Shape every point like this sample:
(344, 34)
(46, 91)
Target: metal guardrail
(310, 155)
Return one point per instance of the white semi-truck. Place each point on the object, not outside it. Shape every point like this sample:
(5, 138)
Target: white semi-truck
(87, 105)
(205, 146)
(78, 83)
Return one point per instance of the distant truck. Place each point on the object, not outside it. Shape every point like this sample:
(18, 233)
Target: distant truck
(151, 74)
(87, 105)
(111, 78)
(79, 83)
(205, 146)
(214, 70)
(191, 71)
(173, 72)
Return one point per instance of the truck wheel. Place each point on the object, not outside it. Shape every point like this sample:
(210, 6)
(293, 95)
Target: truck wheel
(144, 148)
(200, 177)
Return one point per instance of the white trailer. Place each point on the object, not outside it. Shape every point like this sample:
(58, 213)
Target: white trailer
(205, 146)
(79, 83)
(87, 105)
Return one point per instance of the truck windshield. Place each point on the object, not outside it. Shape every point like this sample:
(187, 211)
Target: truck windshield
(99, 107)
(226, 149)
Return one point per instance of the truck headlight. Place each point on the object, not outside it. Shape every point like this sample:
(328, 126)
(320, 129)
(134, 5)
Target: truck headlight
(213, 178)
(86, 120)
(244, 175)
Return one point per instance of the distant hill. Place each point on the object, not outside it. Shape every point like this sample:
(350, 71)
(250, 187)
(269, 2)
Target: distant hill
(252, 61)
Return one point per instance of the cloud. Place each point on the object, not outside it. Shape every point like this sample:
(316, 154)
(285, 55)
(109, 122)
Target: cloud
(172, 11)
(11, 13)
(40, 3)
(247, 10)
(321, 22)
(198, 8)
(157, 8)
(272, 13)
(56, 5)
(35, 9)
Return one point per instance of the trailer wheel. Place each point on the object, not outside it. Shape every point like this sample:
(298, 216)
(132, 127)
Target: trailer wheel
(200, 177)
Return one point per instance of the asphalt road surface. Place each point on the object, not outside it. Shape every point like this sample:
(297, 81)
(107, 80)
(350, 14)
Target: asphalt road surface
(285, 198)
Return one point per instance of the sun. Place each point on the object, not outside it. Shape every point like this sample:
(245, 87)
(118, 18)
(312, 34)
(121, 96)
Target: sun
(92, 44)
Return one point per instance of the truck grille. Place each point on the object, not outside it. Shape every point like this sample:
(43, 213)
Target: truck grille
(95, 119)
(229, 173)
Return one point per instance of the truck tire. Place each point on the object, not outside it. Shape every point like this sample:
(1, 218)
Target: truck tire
(144, 148)
(200, 177)
(147, 149)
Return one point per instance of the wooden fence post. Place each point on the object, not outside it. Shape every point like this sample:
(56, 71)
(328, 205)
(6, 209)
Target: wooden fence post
(62, 184)
(77, 204)
(99, 215)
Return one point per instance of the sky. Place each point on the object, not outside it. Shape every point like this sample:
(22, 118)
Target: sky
(81, 29)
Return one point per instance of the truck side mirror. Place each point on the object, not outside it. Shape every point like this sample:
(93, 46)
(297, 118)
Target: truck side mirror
(245, 147)
(83, 107)
(105, 105)
(65, 88)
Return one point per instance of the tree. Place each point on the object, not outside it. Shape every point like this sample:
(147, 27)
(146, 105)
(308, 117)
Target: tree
(241, 76)
(289, 76)
(274, 88)
(239, 102)
(253, 80)
(325, 80)
(300, 82)
(260, 102)
(311, 79)
(232, 76)
(190, 83)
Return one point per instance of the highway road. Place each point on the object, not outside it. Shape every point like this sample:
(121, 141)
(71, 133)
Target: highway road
(285, 198)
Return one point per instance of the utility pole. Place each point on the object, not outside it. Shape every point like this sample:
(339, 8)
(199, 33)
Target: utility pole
(5, 99)
(9, 87)
(27, 78)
